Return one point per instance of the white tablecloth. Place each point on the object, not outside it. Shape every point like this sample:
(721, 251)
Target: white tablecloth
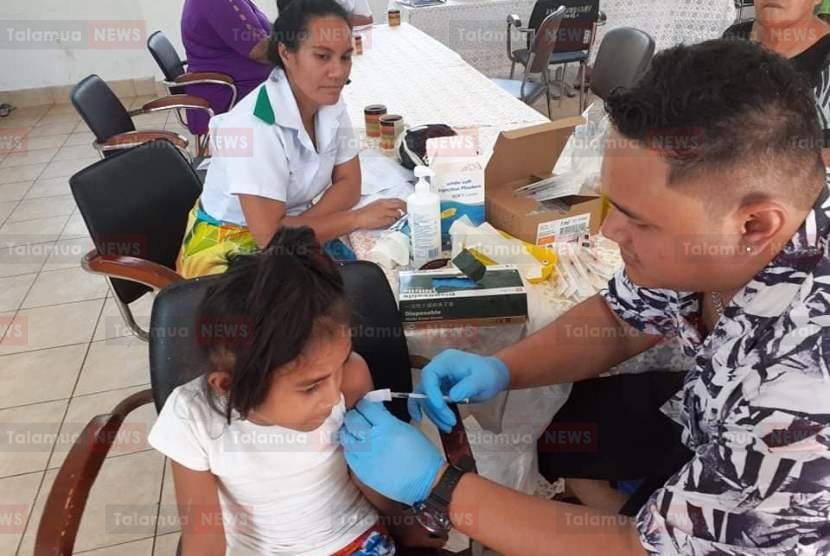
(419, 78)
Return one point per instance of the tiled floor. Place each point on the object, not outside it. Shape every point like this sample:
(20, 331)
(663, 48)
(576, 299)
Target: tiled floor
(65, 354)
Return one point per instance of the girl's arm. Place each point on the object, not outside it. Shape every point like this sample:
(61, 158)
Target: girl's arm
(402, 525)
(197, 497)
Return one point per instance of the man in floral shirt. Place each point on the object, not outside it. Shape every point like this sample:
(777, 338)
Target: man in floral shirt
(722, 215)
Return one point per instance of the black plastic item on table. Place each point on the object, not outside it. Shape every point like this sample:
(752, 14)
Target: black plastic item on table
(469, 265)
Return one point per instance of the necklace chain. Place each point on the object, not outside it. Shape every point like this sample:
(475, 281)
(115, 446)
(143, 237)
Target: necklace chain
(717, 301)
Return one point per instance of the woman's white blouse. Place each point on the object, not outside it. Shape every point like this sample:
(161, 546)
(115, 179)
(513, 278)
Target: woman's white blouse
(262, 148)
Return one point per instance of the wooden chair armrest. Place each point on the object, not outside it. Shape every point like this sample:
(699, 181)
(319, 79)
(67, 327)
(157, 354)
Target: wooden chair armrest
(145, 272)
(70, 491)
(130, 139)
(174, 102)
(206, 78)
(455, 443)
(190, 77)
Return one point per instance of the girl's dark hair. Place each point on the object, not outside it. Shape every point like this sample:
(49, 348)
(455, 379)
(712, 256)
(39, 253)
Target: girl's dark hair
(291, 26)
(263, 311)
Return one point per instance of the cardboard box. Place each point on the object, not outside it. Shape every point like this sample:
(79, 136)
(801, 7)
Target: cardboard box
(526, 155)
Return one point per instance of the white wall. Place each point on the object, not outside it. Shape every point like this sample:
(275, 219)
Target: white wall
(26, 63)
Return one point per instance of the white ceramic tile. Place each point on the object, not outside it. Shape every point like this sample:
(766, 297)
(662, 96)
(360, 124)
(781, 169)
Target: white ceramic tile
(21, 173)
(30, 231)
(45, 142)
(54, 128)
(13, 289)
(145, 87)
(60, 94)
(58, 118)
(166, 544)
(29, 111)
(59, 168)
(75, 227)
(124, 89)
(134, 429)
(7, 208)
(74, 152)
(27, 157)
(14, 191)
(115, 363)
(39, 376)
(17, 127)
(141, 100)
(67, 254)
(56, 109)
(81, 137)
(65, 286)
(32, 209)
(52, 187)
(29, 434)
(18, 496)
(21, 259)
(45, 327)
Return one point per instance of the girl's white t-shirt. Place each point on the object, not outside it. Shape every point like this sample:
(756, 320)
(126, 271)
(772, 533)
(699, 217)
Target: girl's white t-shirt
(281, 491)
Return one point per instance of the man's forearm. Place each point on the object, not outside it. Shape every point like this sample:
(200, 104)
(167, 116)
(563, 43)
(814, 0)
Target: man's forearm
(583, 343)
(511, 523)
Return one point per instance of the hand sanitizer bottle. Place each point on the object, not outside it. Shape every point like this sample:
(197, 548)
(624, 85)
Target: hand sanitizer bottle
(424, 208)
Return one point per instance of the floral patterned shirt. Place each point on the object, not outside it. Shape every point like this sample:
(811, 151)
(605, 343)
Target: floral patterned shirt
(755, 408)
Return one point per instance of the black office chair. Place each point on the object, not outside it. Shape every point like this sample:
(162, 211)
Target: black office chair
(175, 358)
(135, 206)
(536, 78)
(741, 5)
(112, 124)
(623, 57)
(574, 39)
(176, 77)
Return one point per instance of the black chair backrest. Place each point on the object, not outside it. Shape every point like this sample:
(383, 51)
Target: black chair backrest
(623, 57)
(136, 204)
(577, 25)
(165, 55)
(100, 109)
(176, 355)
(544, 42)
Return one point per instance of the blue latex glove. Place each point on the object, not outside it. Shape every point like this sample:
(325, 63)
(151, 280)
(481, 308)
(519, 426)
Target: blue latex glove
(389, 456)
(461, 376)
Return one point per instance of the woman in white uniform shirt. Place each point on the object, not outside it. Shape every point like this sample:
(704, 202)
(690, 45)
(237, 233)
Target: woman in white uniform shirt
(287, 144)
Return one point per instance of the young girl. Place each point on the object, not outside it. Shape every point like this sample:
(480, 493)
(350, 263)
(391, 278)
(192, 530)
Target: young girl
(256, 461)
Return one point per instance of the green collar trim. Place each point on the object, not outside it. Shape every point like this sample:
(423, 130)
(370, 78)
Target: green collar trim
(263, 109)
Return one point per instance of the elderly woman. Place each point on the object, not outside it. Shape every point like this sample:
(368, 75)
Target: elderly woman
(792, 28)
(227, 36)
